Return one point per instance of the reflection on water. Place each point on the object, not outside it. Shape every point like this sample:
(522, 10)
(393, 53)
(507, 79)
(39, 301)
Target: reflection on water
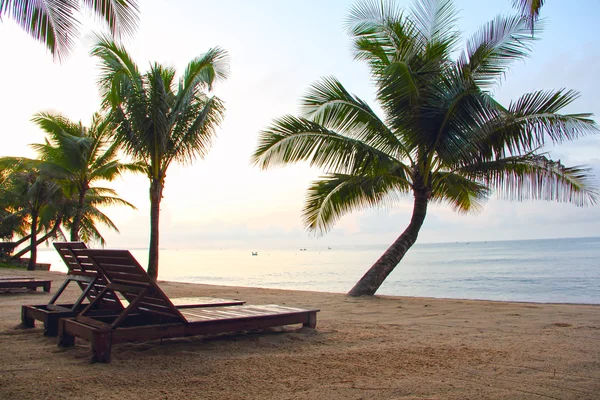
(557, 270)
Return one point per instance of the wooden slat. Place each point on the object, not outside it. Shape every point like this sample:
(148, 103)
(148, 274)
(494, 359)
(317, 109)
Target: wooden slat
(125, 273)
(92, 322)
(238, 312)
(191, 302)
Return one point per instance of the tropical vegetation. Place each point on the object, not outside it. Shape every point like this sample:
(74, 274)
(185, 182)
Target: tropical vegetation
(159, 119)
(443, 137)
(58, 189)
(55, 24)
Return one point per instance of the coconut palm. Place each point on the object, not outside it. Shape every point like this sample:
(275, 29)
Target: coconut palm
(79, 157)
(91, 214)
(161, 120)
(443, 138)
(55, 24)
(32, 196)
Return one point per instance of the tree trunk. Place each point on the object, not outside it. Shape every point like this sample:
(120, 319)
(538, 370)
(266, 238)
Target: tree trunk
(78, 216)
(38, 241)
(376, 275)
(22, 240)
(33, 245)
(156, 188)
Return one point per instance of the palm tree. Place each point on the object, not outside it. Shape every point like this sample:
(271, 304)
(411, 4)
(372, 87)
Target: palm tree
(161, 120)
(31, 195)
(444, 137)
(54, 23)
(91, 214)
(79, 157)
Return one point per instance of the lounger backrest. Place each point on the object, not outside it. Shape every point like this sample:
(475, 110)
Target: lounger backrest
(65, 250)
(127, 277)
(80, 265)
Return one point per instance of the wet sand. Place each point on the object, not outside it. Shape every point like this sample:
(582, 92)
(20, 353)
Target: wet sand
(363, 348)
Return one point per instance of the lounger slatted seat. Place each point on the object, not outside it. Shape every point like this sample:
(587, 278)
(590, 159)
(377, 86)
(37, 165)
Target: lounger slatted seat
(91, 282)
(27, 283)
(150, 314)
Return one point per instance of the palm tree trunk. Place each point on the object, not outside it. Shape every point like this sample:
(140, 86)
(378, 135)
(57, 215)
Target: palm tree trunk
(33, 245)
(156, 188)
(22, 240)
(78, 216)
(38, 241)
(376, 275)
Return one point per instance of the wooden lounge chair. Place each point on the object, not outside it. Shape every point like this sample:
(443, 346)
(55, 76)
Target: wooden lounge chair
(28, 283)
(150, 314)
(91, 282)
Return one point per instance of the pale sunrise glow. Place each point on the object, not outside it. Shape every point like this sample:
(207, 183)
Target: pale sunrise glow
(277, 49)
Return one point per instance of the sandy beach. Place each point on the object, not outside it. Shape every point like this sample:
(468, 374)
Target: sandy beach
(363, 348)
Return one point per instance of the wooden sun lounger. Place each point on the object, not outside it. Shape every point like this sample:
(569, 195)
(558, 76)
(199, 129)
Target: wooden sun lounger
(151, 315)
(91, 282)
(28, 283)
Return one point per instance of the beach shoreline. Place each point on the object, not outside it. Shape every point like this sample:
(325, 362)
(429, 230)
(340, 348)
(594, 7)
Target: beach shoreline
(385, 347)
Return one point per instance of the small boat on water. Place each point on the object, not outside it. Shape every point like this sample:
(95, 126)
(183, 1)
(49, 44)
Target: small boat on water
(255, 253)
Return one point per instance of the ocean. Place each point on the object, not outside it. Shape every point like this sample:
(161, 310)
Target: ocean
(546, 271)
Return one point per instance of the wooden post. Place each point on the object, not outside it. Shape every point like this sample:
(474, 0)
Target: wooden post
(51, 325)
(101, 346)
(64, 339)
(27, 322)
(312, 320)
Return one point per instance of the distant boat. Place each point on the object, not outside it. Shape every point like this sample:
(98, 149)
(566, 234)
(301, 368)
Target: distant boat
(329, 248)
(255, 253)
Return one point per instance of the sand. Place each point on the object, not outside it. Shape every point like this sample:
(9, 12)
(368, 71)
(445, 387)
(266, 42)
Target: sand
(363, 348)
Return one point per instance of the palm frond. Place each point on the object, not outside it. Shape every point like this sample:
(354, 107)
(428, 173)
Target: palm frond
(529, 9)
(291, 140)
(435, 22)
(119, 75)
(334, 195)
(463, 194)
(121, 16)
(51, 22)
(531, 120)
(328, 103)
(494, 47)
(536, 177)
(195, 131)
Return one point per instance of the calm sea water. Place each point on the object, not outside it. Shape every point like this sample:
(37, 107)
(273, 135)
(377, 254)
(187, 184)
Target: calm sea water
(556, 270)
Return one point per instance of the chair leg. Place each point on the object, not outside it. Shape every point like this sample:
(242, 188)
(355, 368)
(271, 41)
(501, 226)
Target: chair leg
(312, 320)
(64, 338)
(25, 320)
(51, 325)
(101, 346)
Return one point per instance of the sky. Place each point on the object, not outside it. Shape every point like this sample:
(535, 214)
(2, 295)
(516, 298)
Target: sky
(277, 49)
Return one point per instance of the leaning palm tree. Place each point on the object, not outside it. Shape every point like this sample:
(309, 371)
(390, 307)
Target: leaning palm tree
(161, 120)
(79, 157)
(33, 196)
(444, 137)
(55, 24)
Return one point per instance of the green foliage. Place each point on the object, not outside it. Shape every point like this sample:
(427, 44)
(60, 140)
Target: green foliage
(160, 119)
(74, 158)
(443, 134)
(54, 23)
